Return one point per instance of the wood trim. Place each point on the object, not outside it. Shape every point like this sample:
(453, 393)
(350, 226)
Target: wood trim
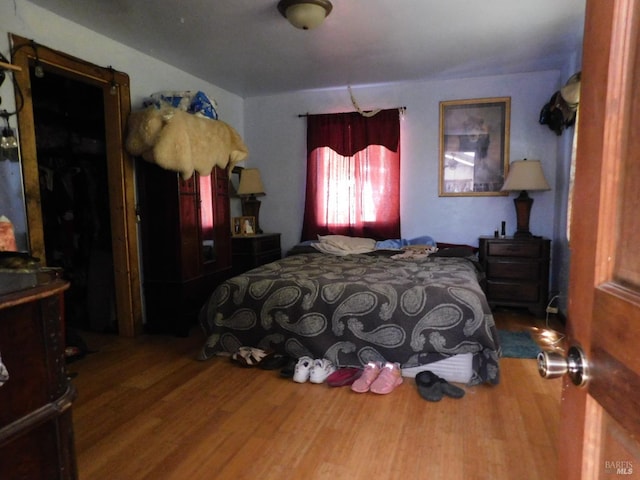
(119, 163)
(9, 66)
(36, 418)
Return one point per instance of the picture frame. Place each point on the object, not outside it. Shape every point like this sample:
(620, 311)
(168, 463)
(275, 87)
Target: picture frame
(474, 146)
(243, 226)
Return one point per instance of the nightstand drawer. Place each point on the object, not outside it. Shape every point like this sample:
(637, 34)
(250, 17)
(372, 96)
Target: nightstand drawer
(514, 249)
(268, 257)
(513, 292)
(256, 250)
(517, 271)
(513, 270)
(256, 244)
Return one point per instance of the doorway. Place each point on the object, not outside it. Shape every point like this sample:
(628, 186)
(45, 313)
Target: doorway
(69, 130)
(106, 92)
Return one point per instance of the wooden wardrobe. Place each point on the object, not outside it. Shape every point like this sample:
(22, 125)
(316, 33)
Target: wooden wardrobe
(186, 243)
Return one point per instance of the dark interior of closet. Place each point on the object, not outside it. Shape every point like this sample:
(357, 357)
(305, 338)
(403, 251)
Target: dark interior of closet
(70, 141)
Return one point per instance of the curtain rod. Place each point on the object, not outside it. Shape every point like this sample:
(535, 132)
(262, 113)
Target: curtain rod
(300, 115)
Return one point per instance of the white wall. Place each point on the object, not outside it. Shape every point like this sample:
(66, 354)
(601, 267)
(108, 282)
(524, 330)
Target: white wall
(147, 75)
(277, 138)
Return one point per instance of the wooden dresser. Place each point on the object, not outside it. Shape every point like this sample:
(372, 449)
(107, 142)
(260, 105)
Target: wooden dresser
(36, 428)
(517, 271)
(255, 250)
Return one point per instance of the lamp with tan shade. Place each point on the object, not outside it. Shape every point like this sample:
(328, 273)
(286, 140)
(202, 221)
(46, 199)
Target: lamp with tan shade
(249, 188)
(524, 175)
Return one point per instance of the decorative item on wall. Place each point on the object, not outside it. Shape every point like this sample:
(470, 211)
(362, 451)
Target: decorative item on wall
(305, 14)
(8, 141)
(560, 111)
(474, 146)
(524, 175)
(250, 187)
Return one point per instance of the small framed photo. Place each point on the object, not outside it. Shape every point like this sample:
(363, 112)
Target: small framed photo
(474, 146)
(243, 226)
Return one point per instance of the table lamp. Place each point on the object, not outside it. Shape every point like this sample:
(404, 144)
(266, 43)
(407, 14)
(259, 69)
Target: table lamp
(251, 186)
(524, 175)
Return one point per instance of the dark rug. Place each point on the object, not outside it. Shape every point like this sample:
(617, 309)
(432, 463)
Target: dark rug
(518, 344)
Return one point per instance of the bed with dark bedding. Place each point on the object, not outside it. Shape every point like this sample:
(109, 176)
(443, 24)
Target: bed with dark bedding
(358, 308)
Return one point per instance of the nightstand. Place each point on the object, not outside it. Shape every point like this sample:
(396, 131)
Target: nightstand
(517, 271)
(254, 250)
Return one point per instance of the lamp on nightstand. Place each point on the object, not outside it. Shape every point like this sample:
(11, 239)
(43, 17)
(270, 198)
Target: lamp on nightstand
(250, 186)
(524, 175)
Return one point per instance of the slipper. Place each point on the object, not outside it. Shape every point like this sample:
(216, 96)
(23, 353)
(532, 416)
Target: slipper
(344, 376)
(289, 368)
(432, 386)
(250, 357)
(451, 390)
(429, 386)
(274, 362)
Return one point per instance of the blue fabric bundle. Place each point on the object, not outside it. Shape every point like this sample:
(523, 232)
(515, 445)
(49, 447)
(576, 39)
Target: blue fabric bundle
(397, 244)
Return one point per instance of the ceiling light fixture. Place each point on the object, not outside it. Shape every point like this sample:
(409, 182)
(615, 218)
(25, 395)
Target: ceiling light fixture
(305, 14)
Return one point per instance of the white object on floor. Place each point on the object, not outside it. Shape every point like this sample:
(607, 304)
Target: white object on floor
(457, 368)
(320, 370)
(302, 370)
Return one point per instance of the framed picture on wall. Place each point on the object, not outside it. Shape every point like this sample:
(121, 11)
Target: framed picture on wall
(474, 146)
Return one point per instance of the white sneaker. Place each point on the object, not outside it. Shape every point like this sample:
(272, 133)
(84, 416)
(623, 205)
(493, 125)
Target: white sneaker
(303, 367)
(320, 370)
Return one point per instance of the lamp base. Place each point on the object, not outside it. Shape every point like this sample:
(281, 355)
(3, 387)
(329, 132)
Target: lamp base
(251, 208)
(523, 205)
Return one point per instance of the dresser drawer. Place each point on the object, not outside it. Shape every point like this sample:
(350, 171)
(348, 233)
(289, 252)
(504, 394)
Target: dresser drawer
(268, 257)
(256, 245)
(513, 270)
(253, 251)
(514, 249)
(513, 292)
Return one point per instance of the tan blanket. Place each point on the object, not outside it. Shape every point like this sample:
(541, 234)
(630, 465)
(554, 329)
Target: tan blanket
(182, 142)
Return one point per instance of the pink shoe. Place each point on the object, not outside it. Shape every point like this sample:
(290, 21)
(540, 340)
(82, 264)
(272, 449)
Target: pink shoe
(369, 374)
(389, 378)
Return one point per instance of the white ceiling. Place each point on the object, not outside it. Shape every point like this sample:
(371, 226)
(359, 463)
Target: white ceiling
(248, 48)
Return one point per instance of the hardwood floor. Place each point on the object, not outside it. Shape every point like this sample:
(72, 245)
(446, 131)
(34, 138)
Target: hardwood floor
(148, 410)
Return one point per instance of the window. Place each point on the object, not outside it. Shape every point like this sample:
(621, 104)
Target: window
(353, 175)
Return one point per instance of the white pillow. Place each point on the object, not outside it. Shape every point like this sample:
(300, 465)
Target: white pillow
(344, 245)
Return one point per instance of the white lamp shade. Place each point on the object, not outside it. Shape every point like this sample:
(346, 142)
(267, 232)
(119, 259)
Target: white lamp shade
(525, 175)
(250, 182)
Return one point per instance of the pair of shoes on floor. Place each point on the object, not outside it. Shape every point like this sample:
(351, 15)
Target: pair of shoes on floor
(315, 371)
(275, 362)
(377, 377)
(344, 376)
(288, 369)
(431, 387)
(251, 357)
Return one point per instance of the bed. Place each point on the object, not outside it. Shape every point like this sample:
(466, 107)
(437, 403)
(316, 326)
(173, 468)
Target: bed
(382, 305)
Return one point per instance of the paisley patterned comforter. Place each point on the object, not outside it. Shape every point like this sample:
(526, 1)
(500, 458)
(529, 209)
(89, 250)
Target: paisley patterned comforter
(355, 309)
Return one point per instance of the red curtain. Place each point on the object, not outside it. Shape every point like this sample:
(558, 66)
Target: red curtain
(353, 175)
